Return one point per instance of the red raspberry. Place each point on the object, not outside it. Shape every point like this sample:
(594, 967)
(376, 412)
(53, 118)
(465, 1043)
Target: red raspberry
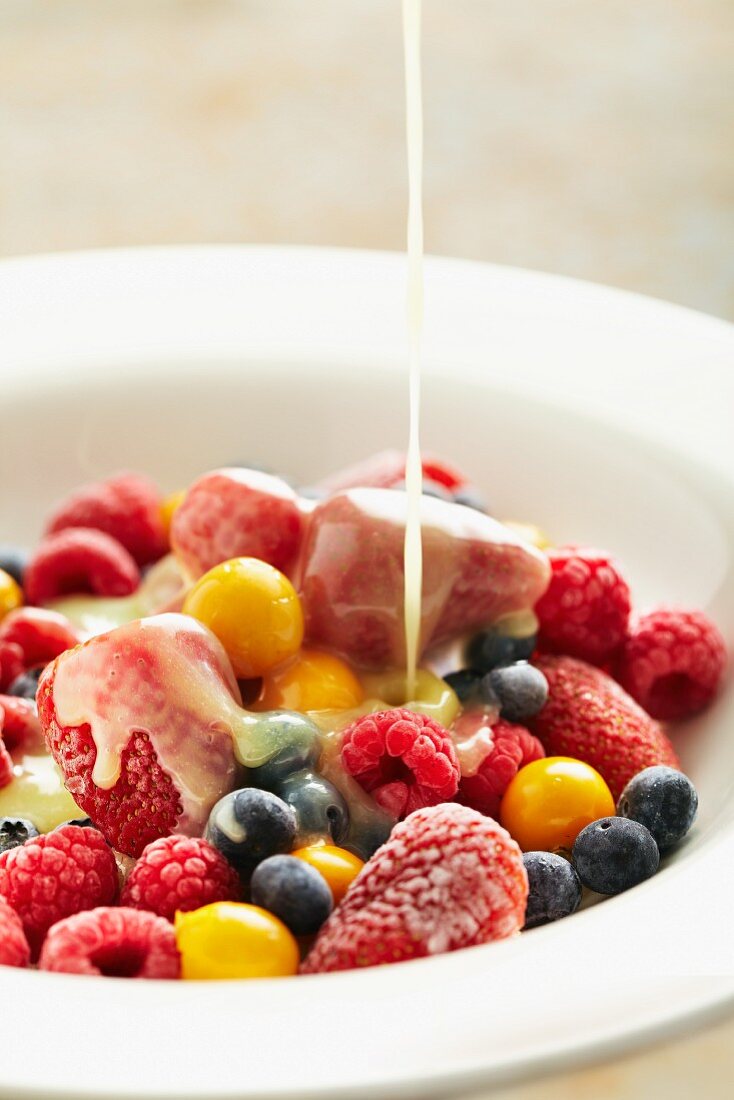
(57, 874)
(6, 760)
(404, 760)
(590, 717)
(11, 662)
(447, 878)
(126, 506)
(14, 949)
(40, 634)
(385, 469)
(79, 559)
(513, 748)
(112, 943)
(237, 513)
(586, 607)
(673, 662)
(19, 723)
(180, 873)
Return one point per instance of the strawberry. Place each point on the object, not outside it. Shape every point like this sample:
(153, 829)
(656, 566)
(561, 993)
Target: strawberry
(474, 571)
(139, 720)
(386, 469)
(448, 877)
(590, 717)
(237, 513)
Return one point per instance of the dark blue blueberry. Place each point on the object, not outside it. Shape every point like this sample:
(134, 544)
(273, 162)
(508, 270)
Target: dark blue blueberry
(301, 749)
(471, 498)
(521, 689)
(369, 834)
(614, 854)
(663, 800)
(492, 648)
(429, 488)
(294, 891)
(465, 683)
(14, 831)
(25, 686)
(319, 807)
(13, 560)
(555, 888)
(249, 825)
(81, 822)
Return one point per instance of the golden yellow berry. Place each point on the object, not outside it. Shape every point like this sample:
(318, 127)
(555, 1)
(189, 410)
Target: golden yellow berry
(253, 609)
(311, 681)
(229, 939)
(338, 866)
(169, 506)
(550, 801)
(11, 595)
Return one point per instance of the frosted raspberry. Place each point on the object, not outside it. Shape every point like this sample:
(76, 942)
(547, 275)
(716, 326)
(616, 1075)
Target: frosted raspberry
(180, 873)
(14, 949)
(126, 506)
(40, 634)
(673, 662)
(52, 876)
(513, 748)
(19, 725)
(590, 717)
(404, 760)
(112, 943)
(447, 878)
(237, 513)
(586, 607)
(11, 663)
(6, 760)
(79, 559)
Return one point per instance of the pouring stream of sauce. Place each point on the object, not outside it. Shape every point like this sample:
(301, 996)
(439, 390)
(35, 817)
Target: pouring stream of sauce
(413, 548)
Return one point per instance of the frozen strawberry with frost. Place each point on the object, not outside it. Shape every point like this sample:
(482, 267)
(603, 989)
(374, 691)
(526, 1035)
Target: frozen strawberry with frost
(352, 579)
(237, 513)
(140, 721)
(385, 469)
(447, 878)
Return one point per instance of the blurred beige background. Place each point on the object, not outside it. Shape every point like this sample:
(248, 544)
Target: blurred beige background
(592, 139)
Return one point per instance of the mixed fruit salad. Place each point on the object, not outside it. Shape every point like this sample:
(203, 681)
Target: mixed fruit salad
(212, 766)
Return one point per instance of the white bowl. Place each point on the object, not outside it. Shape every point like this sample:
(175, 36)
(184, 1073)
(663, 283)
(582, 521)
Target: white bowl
(599, 415)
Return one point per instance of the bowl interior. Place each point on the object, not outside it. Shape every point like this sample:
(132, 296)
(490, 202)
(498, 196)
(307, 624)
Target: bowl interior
(150, 398)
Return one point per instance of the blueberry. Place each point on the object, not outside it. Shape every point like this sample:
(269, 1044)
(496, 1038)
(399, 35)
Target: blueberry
(319, 807)
(613, 854)
(294, 891)
(25, 686)
(470, 498)
(555, 888)
(13, 560)
(465, 683)
(663, 800)
(80, 822)
(492, 648)
(14, 831)
(521, 689)
(300, 751)
(429, 488)
(249, 825)
(369, 834)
